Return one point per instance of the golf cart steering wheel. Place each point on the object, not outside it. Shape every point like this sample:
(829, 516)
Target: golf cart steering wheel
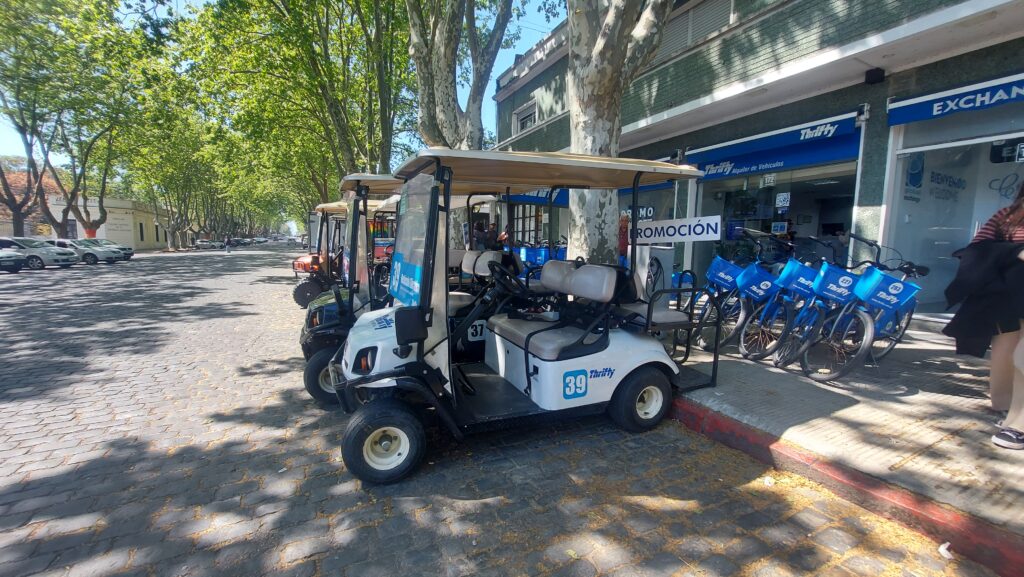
(508, 281)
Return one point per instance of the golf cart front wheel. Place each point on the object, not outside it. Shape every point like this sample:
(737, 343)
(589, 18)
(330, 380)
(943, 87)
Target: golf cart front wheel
(306, 291)
(384, 442)
(641, 400)
(317, 377)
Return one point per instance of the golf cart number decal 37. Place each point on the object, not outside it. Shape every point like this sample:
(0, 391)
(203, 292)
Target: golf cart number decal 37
(574, 384)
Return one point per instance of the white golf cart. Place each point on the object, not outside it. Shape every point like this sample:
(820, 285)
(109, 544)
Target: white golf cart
(546, 348)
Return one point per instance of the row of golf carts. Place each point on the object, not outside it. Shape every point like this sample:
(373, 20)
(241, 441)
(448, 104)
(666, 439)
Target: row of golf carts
(464, 340)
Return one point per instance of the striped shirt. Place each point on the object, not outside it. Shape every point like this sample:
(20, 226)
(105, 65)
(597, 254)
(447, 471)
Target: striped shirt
(993, 229)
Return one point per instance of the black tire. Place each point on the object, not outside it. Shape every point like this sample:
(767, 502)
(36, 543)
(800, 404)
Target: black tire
(90, 259)
(800, 338)
(759, 337)
(380, 420)
(306, 291)
(735, 310)
(839, 348)
(35, 263)
(314, 374)
(884, 345)
(627, 407)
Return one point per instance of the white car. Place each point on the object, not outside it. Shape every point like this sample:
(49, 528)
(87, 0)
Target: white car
(88, 252)
(203, 243)
(11, 260)
(127, 251)
(38, 254)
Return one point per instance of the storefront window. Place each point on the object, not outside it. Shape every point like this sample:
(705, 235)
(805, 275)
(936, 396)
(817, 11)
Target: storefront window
(793, 204)
(943, 196)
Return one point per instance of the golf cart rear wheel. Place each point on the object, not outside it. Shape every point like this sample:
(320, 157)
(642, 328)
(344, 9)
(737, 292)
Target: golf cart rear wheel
(306, 291)
(317, 377)
(641, 400)
(384, 442)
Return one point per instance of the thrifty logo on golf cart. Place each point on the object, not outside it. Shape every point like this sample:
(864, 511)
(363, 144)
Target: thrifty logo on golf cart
(574, 383)
(383, 323)
(679, 230)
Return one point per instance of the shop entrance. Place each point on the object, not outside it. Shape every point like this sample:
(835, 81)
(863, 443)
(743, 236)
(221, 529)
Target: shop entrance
(951, 175)
(792, 204)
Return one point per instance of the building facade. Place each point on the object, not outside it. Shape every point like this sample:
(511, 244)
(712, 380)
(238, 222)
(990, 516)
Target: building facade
(129, 223)
(900, 121)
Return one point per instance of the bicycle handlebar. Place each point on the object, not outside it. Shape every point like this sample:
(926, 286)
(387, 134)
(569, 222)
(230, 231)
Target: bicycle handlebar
(871, 243)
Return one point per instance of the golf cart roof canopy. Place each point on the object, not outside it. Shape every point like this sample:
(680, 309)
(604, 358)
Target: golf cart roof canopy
(391, 204)
(494, 171)
(340, 207)
(377, 183)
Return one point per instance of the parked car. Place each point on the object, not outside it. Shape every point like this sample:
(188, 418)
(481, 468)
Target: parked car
(127, 251)
(259, 240)
(11, 260)
(38, 254)
(88, 253)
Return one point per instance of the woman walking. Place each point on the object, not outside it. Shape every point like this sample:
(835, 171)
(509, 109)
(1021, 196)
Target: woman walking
(990, 285)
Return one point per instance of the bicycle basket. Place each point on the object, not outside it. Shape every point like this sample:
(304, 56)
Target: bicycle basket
(797, 277)
(883, 290)
(756, 283)
(835, 284)
(723, 273)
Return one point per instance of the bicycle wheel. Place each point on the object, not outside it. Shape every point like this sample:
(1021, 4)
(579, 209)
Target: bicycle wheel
(884, 345)
(764, 328)
(801, 335)
(733, 309)
(842, 345)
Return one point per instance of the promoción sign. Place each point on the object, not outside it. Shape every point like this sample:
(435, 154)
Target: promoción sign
(680, 230)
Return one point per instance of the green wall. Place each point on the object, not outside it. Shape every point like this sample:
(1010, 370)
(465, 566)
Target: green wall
(782, 32)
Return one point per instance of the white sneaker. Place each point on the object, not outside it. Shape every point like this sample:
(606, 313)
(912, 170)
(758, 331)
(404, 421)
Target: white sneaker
(1009, 439)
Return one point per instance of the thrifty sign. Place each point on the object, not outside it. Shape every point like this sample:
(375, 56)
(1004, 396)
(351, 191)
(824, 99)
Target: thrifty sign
(680, 230)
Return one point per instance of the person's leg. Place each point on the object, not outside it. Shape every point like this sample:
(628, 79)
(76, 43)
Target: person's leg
(1001, 370)
(1012, 435)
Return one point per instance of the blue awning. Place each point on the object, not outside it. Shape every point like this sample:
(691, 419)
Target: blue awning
(966, 98)
(826, 141)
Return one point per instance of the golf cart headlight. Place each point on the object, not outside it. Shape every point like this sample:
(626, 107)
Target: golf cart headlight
(363, 363)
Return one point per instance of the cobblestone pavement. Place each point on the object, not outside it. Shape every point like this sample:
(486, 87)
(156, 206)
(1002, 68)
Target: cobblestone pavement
(153, 423)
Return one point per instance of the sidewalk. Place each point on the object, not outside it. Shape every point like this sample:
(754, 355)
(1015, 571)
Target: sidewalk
(909, 439)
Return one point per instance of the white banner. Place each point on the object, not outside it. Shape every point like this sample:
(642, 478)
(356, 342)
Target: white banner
(680, 230)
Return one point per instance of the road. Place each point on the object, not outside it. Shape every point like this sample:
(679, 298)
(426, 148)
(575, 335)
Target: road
(154, 423)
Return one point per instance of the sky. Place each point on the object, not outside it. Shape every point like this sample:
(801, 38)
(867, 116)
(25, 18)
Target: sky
(533, 26)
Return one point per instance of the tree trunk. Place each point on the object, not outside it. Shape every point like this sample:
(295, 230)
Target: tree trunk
(18, 223)
(594, 129)
(609, 42)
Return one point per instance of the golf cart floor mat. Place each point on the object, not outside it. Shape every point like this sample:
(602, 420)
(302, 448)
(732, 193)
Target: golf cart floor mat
(492, 398)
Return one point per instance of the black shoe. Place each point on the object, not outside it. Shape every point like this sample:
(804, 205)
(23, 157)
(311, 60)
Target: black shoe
(1009, 439)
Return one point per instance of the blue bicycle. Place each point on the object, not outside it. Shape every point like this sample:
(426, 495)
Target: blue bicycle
(869, 307)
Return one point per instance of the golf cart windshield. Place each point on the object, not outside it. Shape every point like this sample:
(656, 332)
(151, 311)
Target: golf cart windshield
(409, 260)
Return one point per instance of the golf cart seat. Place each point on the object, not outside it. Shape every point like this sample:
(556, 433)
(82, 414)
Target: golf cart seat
(660, 316)
(474, 263)
(548, 340)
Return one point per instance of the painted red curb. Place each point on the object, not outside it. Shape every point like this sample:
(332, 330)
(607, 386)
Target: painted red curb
(992, 546)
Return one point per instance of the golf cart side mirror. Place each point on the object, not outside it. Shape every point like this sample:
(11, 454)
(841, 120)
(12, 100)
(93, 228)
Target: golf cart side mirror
(410, 325)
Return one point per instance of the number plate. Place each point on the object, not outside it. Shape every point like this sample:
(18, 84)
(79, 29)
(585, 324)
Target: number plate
(574, 384)
(476, 331)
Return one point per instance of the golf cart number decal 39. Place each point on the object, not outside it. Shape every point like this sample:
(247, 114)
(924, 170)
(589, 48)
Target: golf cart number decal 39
(574, 384)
